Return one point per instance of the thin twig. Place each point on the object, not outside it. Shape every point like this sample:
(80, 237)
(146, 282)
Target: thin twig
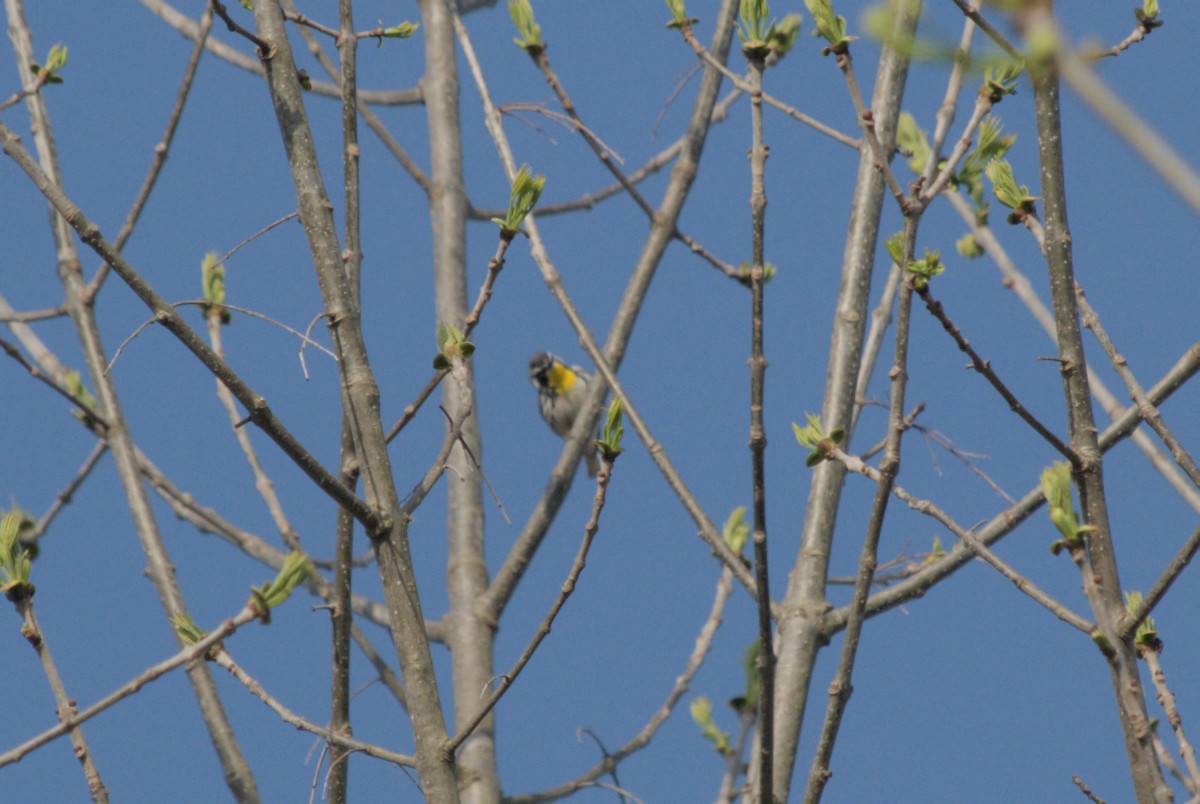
(946, 112)
(222, 658)
(440, 463)
(300, 19)
(701, 51)
(1138, 34)
(985, 26)
(1134, 128)
(479, 468)
(187, 655)
(1168, 762)
(65, 706)
(264, 50)
(735, 765)
(385, 673)
(569, 121)
(695, 660)
(262, 481)
(1087, 791)
(941, 440)
(341, 612)
(866, 120)
(1150, 413)
(228, 254)
(985, 368)
(881, 319)
(1174, 568)
(934, 188)
(410, 411)
(304, 339)
(495, 265)
(543, 630)
(621, 794)
(1166, 699)
(29, 316)
(207, 520)
(35, 86)
(758, 437)
(603, 153)
(65, 496)
(161, 150)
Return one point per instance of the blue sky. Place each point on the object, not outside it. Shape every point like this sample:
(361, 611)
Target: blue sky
(971, 693)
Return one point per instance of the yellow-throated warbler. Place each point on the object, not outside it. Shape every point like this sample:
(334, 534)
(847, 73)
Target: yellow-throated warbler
(562, 390)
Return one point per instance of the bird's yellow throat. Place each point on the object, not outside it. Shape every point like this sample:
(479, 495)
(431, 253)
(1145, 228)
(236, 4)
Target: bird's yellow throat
(561, 378)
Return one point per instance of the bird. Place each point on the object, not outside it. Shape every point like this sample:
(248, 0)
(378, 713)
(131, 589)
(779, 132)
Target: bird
(562, 390)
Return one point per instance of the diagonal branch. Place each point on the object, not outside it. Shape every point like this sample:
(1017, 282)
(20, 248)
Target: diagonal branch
(260, 413)
(985, 368)
(1150, 414)
(1007, 520)
(973, 543)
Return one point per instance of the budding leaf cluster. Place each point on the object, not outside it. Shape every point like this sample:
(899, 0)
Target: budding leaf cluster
(452, 344)
(761, 38)
(79, 392)
(926, 269)
(829, 26)
(990, 144)
(1146, 636)
(679, 17)
(968, 247)
(1147, 15)
(736, 530)
(402, 31)
(744, 704)
(813, 438)
(936, 552)
(27, 535)
(523, 197)
(912, 141)
(212, 277)
(701, 709)
(748, 701)
(1008, 192)
(1000, 80)
(186, 627)
(530, 39)
(744, 268)
(895, 247)
(190, 633)
(613, 431)
(785, 33)
(1056, 485)
(16, 563)
(296, 569)
(754, 29)
(56, 60)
